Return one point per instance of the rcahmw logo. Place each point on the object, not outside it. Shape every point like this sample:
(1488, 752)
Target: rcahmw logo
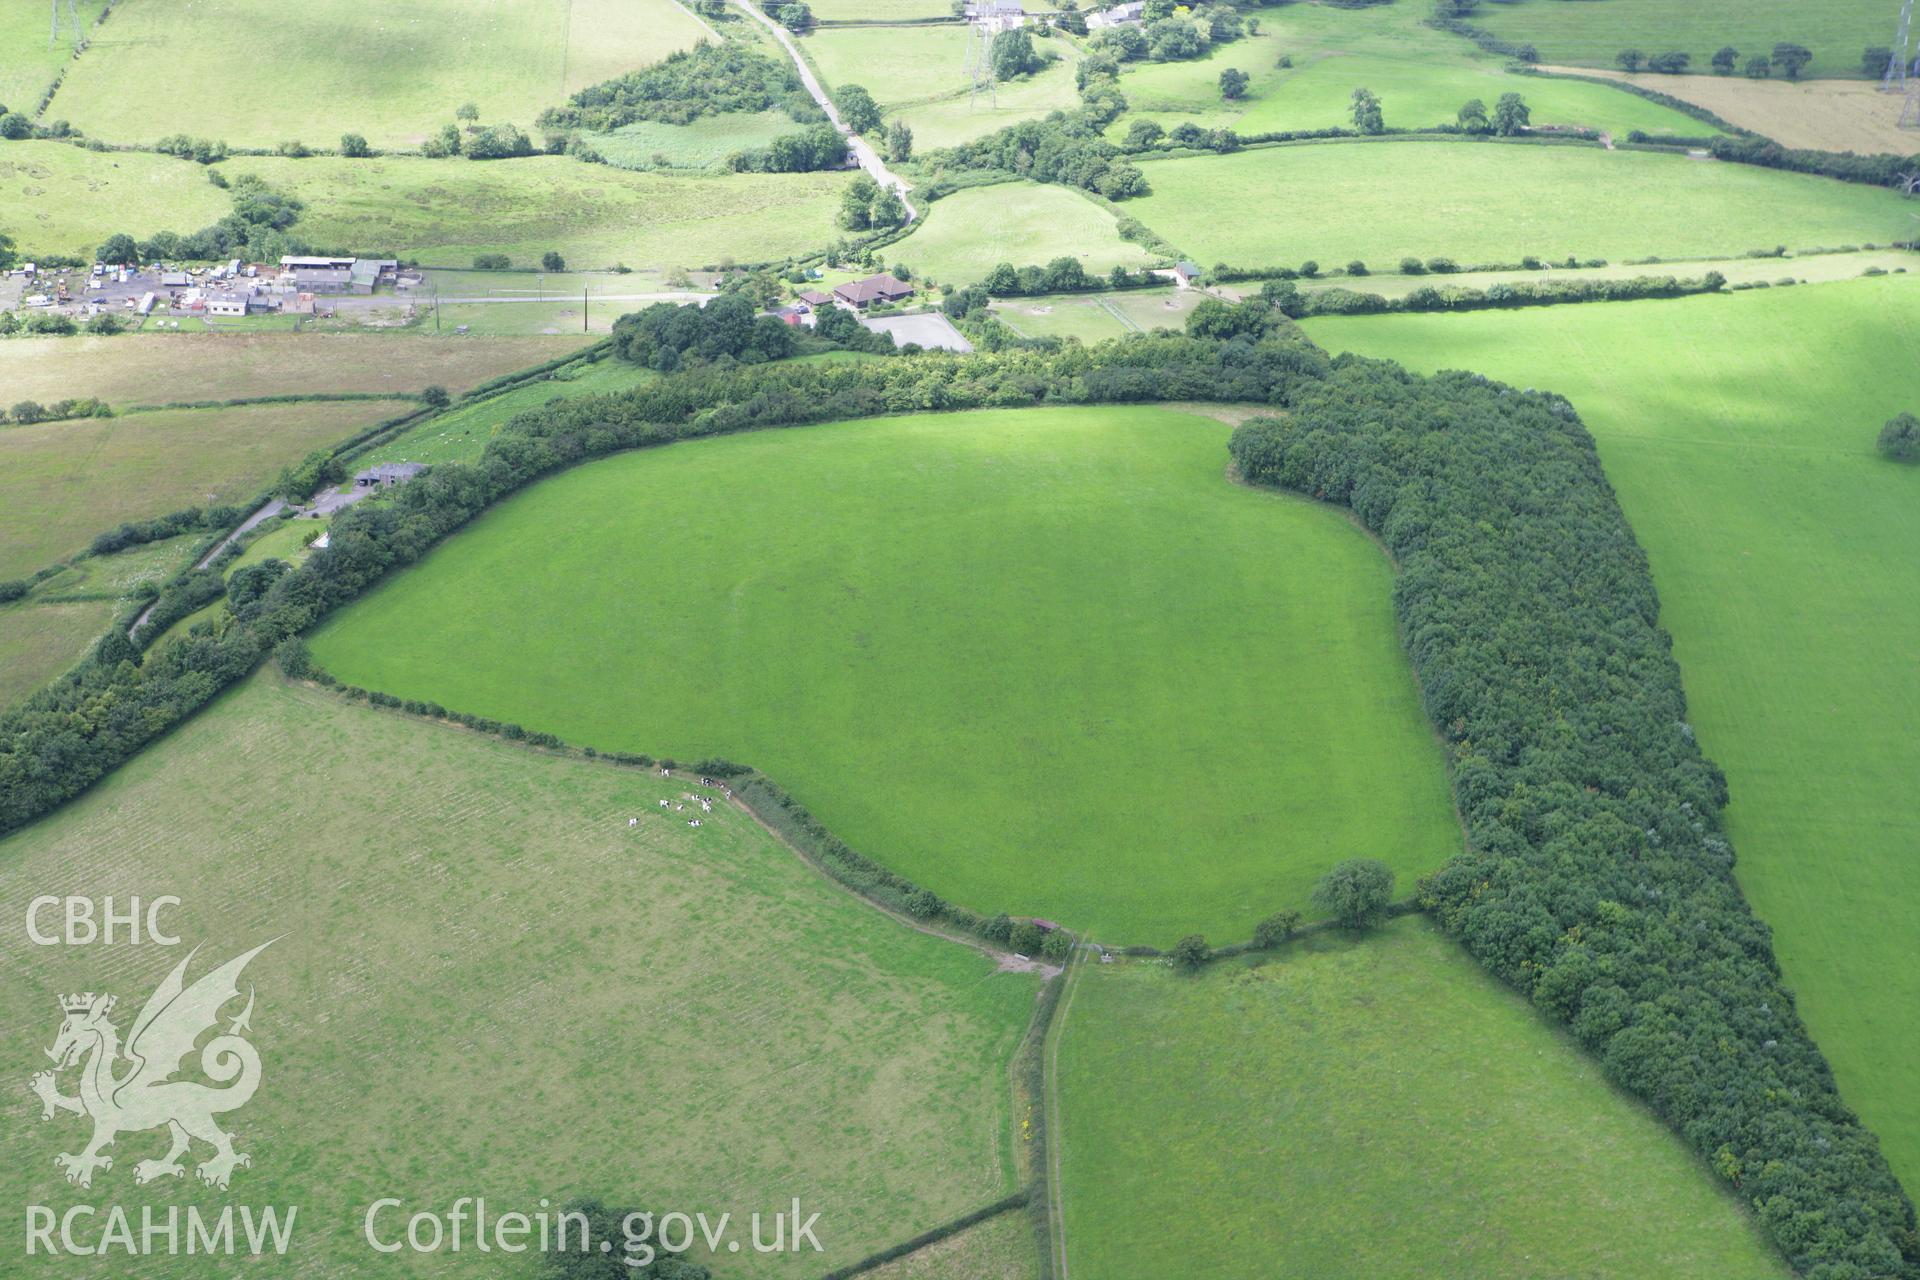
(126, 1088)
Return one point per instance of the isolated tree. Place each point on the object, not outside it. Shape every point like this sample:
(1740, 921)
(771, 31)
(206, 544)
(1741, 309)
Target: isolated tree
(118, 251)
(1672, 63)
(1233, 83)
(1356, 893)
(858, 111)
(1366, 113)
(1900, 439)
(354, 146)
(1026, 936)
(105, 323)
(435, 396)
(467, 112)
(499, 142)
(1629, 59)
(1473, 117)
(794, 17)
(442, 144)
(294, 149)
(1759, 67)
(1791, 58)
(491, 262)
(899, 142)
(14, 126)
(1511, 115)
(1875, 59)
(1726, 60)
(1275, 929)
(1190, 952)
(1012, 54)
(1356, 268)
(1172, 39)
(552, 261)
(1057, 945)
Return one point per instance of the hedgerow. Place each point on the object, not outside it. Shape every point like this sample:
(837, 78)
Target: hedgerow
(1598, 877)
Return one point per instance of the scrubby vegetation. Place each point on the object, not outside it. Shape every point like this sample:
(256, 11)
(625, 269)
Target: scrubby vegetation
(707, 79)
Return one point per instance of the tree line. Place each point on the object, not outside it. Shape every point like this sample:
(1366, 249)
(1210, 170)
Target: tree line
(1598, 878)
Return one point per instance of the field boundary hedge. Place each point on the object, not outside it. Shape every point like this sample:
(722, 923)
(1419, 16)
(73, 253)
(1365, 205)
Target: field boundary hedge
(873, 1261)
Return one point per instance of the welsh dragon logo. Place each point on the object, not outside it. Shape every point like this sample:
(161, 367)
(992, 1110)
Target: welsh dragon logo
(144, 1094)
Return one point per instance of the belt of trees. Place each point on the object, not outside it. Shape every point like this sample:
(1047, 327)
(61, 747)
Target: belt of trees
(1598, 877)
(73, 732)
(1519, 293)
(708, 79)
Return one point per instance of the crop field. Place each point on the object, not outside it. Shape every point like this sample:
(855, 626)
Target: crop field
(51, 629)
(1421, 75)
(56, 198)
(704, 144)
(919, 74)
(469, 932)
(137, 369)
(1050, 688)
(1591, 34)
(394, 81)
(63, 482)
(459, 434)
(1739, 432)
(1492, 202)
(446, 211)
(1381, 1109)
(1821, 115)
(963, 235)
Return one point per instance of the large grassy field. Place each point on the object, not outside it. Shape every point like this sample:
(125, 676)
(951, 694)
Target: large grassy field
(165, 369)
(56, 198)
(920, 75)
(1380, 1109)
(395, 80)
(1490, 202)
(63, 482)
(487, 983)
(1093, 317)
(963, 235)
(1835, 30)
(1421, 75)
(1048, 661)
(445, 211)
(1739, 432)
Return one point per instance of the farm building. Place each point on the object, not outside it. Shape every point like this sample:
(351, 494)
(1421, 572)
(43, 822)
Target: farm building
(1185, 273)
(387, 474)
(227, 304)
(862, 294)
(997, 15)
(1118, 15)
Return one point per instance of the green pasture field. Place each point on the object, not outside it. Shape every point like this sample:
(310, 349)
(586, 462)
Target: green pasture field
(880, 10)
(704, 144)
(1421, 75)
(56, 198)
(487, 983)
(28, 63)
(962, 236)
(1496, 202)
(49, 630)
(137, 369)
(1094, 317)
(395, 81)
(1835, 30)
(1380, 1108)
(1814, 268)
(63, 482)
(1043, 661)
(919, 74)
(1739, 432)
(443, 212)
(459, 434)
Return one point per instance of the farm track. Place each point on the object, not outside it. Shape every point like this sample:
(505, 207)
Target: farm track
(869, 158)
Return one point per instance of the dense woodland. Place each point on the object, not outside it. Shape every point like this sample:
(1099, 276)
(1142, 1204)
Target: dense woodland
(1598, 877)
